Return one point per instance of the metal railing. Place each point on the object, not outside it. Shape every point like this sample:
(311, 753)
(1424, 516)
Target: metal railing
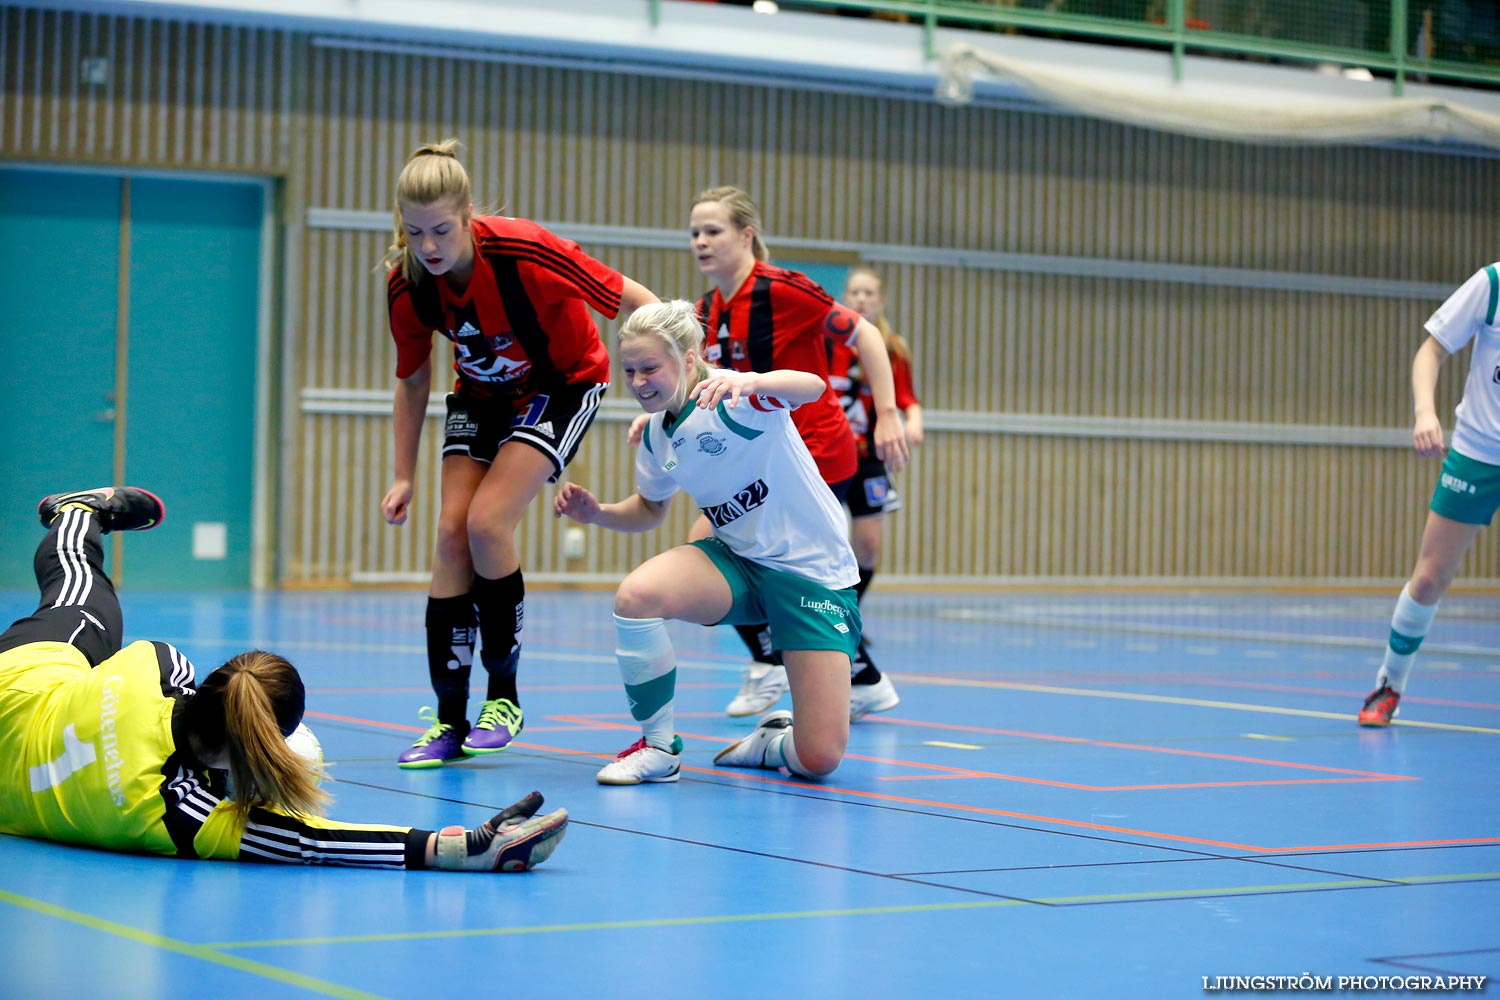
(1453, 41)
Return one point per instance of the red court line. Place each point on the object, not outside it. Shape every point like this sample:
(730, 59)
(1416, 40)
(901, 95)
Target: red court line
(587, 723)
(970, 773)
(954, 806)
(965, 772)
(399, 727)
(1052, 738)
(1101, 827)
(421, 729)
(1335, 693)
(1349, 694)
(1135, 788)
(1483, 706)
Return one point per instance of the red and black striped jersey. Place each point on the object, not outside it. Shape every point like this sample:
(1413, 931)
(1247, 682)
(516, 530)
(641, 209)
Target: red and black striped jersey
(522, 324)
(848, 380)
(782, 319)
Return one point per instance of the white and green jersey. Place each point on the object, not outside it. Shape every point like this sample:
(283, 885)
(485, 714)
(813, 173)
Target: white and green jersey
(749, 472)
(1471, 314)
(95, 756)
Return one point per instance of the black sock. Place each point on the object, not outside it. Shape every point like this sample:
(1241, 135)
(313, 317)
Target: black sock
(757, 639)
(416, 849)
(502, 612)
(451, 632)
(865, 671)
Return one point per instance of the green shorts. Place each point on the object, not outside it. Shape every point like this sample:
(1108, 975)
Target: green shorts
(802, 614)
(1467, 491)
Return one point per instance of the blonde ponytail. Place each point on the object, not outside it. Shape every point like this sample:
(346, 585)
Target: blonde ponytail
(264, 769)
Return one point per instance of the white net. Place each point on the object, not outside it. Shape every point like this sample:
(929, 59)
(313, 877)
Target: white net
(1219, 113)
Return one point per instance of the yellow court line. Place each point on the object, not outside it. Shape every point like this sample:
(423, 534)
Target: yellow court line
(866, 911)
(1169, 700)
(206, 953)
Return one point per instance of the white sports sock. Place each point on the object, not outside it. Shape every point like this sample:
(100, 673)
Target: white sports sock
(1409, 625)
(784, 747)
(648, 666)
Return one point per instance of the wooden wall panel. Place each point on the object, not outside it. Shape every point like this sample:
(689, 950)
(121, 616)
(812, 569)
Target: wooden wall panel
(178, 95)
(334, 123)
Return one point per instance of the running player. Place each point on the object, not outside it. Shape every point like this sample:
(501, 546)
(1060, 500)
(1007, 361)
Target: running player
(1468, 488)
(513, 298)
(122, 749)
(870, 495)
(757, 318)
(779, 551)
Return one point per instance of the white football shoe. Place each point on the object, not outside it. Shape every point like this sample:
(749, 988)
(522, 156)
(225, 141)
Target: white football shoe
(641, 762)
(765, 683)
(878, 697)
(751, 751)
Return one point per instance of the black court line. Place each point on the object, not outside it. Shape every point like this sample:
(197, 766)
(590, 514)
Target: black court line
(1187, 896)
(1413, 961)
(830, 798)
(1271, 861)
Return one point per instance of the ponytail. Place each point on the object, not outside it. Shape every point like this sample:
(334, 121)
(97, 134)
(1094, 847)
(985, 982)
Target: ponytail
(252, 703)
(895, 344)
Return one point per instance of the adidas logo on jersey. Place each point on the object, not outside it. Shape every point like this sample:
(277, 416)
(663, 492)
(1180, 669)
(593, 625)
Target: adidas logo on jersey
(545, 428)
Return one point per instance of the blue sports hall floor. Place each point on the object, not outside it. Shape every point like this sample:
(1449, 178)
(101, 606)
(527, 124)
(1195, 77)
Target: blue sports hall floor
(1080, 795)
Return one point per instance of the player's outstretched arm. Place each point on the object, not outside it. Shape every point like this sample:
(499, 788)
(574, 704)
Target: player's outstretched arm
(786, 384)
(633, 514)
(513, 840)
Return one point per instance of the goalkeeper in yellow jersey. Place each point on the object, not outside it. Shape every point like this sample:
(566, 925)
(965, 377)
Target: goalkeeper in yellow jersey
(123, 749)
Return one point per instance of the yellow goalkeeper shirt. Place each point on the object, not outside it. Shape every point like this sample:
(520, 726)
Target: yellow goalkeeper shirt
(90, 756)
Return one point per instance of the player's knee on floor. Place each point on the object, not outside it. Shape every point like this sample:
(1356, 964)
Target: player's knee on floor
(813, 758)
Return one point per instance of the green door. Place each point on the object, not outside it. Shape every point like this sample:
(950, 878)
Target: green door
(190, 429)
(59, 269)
(185, 427)
(830, 276)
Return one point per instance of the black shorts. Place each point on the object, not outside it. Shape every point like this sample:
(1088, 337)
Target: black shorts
(870, 491)
(553, 422)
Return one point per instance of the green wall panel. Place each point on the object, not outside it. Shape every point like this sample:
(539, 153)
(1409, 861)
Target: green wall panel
(194, 294)
(59, 259)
